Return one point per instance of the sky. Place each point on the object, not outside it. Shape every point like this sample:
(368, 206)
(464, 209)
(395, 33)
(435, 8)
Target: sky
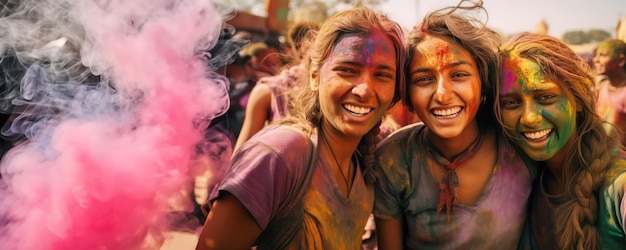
(512, 16)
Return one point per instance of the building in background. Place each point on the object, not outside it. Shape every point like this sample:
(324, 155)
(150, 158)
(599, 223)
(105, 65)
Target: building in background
(542, 27)
(620, 32)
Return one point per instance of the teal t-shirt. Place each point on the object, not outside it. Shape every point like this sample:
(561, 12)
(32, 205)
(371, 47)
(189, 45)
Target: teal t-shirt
(612, 214)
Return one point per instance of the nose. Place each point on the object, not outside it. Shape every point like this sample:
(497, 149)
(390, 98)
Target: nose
(444, 91)
(596, 59)
(530, 117)
(362, 90)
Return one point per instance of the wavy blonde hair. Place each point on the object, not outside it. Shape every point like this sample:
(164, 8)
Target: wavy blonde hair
(586, 166)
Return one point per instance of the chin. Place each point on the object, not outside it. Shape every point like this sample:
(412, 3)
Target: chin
(448, 133)
(537, 156)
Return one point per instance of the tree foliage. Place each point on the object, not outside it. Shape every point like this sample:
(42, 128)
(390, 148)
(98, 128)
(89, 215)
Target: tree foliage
(328, 7)
(598, 35)
(577, 37)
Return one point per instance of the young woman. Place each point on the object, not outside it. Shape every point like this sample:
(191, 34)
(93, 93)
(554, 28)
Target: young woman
(270, 96)
(356, 63)
(451, 182)
(547, 106)
(610, 62)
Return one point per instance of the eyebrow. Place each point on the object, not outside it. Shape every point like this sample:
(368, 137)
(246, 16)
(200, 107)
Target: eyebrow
(356, 63)
(451, 65)
(544, 86)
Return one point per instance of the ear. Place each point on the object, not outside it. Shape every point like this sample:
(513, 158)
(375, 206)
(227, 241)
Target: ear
(313, 80)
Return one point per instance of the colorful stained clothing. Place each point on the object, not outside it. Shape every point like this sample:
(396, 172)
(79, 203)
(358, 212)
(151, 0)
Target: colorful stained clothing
(407, 190)
(611, 106)
(281, 86)
(611, 213)
(266, 171)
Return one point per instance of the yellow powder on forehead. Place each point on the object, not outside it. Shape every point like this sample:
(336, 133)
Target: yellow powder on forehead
(608, 48)
(531, 73)
(439, 52)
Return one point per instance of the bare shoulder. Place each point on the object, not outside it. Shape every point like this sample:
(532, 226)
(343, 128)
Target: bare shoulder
(261, 89)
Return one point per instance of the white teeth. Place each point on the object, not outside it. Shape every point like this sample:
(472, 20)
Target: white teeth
(447, 112)
(356, 109)
(537, 134)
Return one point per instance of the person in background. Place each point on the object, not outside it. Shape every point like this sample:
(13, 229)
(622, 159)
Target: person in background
(547, 106)
(452, 181)
(271, 59)
(308, 182)
(242, 79)
(610, 62)
(270, 97)
(266, 57)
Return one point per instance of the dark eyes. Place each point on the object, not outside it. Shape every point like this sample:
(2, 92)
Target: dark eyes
(347, 71)
(510, 103)
(421, 80)
(546, 97)
(514, 102)
(425, 80)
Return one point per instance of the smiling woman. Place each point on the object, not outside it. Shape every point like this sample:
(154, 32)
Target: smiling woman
(275, 197)
(538, 111)
(452, 181)
(547, 106)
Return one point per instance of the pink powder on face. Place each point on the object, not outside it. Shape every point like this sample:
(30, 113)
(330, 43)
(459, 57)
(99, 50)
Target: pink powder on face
(509, 76)
(361, 46)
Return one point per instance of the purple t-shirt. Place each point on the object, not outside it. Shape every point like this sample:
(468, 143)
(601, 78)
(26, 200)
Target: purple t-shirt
(266, 171)
(406, 189)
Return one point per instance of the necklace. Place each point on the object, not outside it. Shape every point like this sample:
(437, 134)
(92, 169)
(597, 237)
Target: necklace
(449, 181)
(345, 178)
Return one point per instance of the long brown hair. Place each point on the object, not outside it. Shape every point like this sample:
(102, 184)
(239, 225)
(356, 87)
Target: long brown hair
(585, 168)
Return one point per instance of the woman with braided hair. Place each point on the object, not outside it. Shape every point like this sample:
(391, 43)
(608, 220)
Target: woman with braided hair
(352, 76)
(546, 105)
(453, 181)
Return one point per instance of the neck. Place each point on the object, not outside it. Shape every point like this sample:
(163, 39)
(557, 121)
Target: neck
(555, 164)
(342, 147)
(451, 147)
(553, 183)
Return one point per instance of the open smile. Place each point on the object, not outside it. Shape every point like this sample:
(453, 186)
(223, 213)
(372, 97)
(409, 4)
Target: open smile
(357, 110)
(448, 113)
(537, 136)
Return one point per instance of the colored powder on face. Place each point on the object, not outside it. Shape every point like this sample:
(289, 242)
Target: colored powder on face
(354, 45)
(531, 79)
(510, 76)
(441, 57)
(608, 48)
(565, 117)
